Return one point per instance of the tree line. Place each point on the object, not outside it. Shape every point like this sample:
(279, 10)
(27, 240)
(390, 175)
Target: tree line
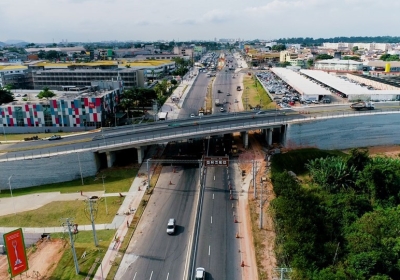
(309, 41)
(344, 223)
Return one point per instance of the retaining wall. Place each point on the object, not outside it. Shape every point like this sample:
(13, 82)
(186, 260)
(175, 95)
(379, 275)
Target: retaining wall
(344, 133)
(47, 170)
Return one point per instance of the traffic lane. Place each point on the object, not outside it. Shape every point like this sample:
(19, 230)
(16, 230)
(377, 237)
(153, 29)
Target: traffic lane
(195, 97)
(223, 84)
(152, 252)
(217, 246)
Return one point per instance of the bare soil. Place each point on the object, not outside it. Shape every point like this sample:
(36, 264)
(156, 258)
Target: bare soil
(42, 261)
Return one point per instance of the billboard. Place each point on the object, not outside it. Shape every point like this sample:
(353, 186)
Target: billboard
(16, 254)
(216, 161)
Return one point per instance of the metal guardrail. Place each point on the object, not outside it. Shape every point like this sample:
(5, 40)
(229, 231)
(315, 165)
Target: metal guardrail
(198, 131)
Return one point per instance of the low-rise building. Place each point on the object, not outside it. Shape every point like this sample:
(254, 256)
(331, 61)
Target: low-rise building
(338, 65)
(72, 107)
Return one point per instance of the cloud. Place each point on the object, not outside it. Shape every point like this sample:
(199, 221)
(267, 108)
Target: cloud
(217, 16)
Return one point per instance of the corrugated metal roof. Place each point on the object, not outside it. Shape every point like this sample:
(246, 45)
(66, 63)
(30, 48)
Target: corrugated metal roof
(300, 83)
(344, 86)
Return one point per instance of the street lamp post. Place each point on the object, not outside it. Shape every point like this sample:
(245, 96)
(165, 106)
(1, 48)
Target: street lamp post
(105, 197)
(9, 184)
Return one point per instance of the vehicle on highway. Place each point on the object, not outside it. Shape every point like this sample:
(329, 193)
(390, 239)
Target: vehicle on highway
(238, 88)
(200, 273)
(222, 110)
(228, 94)
(219, 91)
(192, 115)
(236, 101)
(171, 226)
(362, 105)
(54, 137)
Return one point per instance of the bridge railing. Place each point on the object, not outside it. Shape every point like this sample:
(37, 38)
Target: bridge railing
(184, 132)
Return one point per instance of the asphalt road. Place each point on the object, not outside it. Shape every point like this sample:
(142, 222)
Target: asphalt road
(218, 248)
(152, 253)
(195, 98)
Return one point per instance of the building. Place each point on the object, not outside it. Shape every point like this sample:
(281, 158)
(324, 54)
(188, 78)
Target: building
(15, 75)
(338, 65)
(72, 107)
(183, 50)
(57, 78)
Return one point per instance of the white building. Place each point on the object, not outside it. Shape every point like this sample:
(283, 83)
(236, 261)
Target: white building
(338, 65)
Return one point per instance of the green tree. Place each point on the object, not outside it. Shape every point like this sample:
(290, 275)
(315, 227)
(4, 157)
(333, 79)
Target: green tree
(46, 93)
(174, 82)
(323, 56)
(354, 49)
(310, 63)
(390, 57)
(279, 47)
(5, 96)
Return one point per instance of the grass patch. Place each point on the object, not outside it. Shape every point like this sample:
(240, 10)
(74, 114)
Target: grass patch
(258, 239)
(50, 214)
(50, 144)
(18, 137)
(116, 180)
(253, 90)
(84, 242)
(295, 160)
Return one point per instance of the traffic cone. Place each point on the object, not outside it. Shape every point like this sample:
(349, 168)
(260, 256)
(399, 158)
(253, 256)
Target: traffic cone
(231, 197)
(235, 220)
(242, 264)
(237, 235)
(230, 187)
(139, 188)
(170, 182)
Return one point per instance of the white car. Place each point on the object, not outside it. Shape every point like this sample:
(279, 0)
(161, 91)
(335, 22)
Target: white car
(171, 226)
(192, 115)
(200, 273)
(222, 110)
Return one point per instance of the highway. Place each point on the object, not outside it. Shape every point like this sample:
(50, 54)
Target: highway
(218, 248)
(196, 98)
(152, 253)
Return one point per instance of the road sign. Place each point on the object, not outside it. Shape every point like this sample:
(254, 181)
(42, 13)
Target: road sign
(216, 161)
(16, 254)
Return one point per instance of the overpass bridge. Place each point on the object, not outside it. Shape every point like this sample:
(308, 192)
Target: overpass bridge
(326, 130)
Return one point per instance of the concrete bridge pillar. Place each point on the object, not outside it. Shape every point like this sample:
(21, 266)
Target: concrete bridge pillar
(245, 137)
(140, 153)
(110, 159)
(268, 136)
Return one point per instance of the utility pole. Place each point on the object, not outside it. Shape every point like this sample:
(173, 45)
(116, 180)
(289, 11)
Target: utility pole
(104, 188)
(261, 204)
(254, 178)
(92, 216)
(68, 224)
(9, 184)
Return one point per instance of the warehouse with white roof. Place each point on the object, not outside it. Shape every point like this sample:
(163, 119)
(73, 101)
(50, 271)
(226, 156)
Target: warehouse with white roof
(353, 91)
(302, 85)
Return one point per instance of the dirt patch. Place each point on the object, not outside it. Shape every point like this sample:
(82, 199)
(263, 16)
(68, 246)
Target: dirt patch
(388, 151)
(42, 260)
(264, 238)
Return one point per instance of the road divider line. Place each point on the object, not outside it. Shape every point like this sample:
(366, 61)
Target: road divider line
(134, 277)
(213, 196)
(209, 250)
(211, 219)
(167, 275)
(151, 275)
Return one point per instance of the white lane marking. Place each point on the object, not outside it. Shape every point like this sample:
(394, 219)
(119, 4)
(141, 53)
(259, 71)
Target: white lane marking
(134, 276)
(213, 196)
(214, 177)
(209, 250)
(167, 275)
(211, 219)
(151, 275)
(187, 257)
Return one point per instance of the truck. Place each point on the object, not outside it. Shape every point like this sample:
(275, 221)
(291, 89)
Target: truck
(362, 106)
(234, 151)
(217, 103)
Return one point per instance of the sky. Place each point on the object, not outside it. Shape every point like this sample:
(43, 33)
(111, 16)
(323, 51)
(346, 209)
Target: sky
(47, 21)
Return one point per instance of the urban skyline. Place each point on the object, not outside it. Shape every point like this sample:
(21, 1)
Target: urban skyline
(123, 20)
